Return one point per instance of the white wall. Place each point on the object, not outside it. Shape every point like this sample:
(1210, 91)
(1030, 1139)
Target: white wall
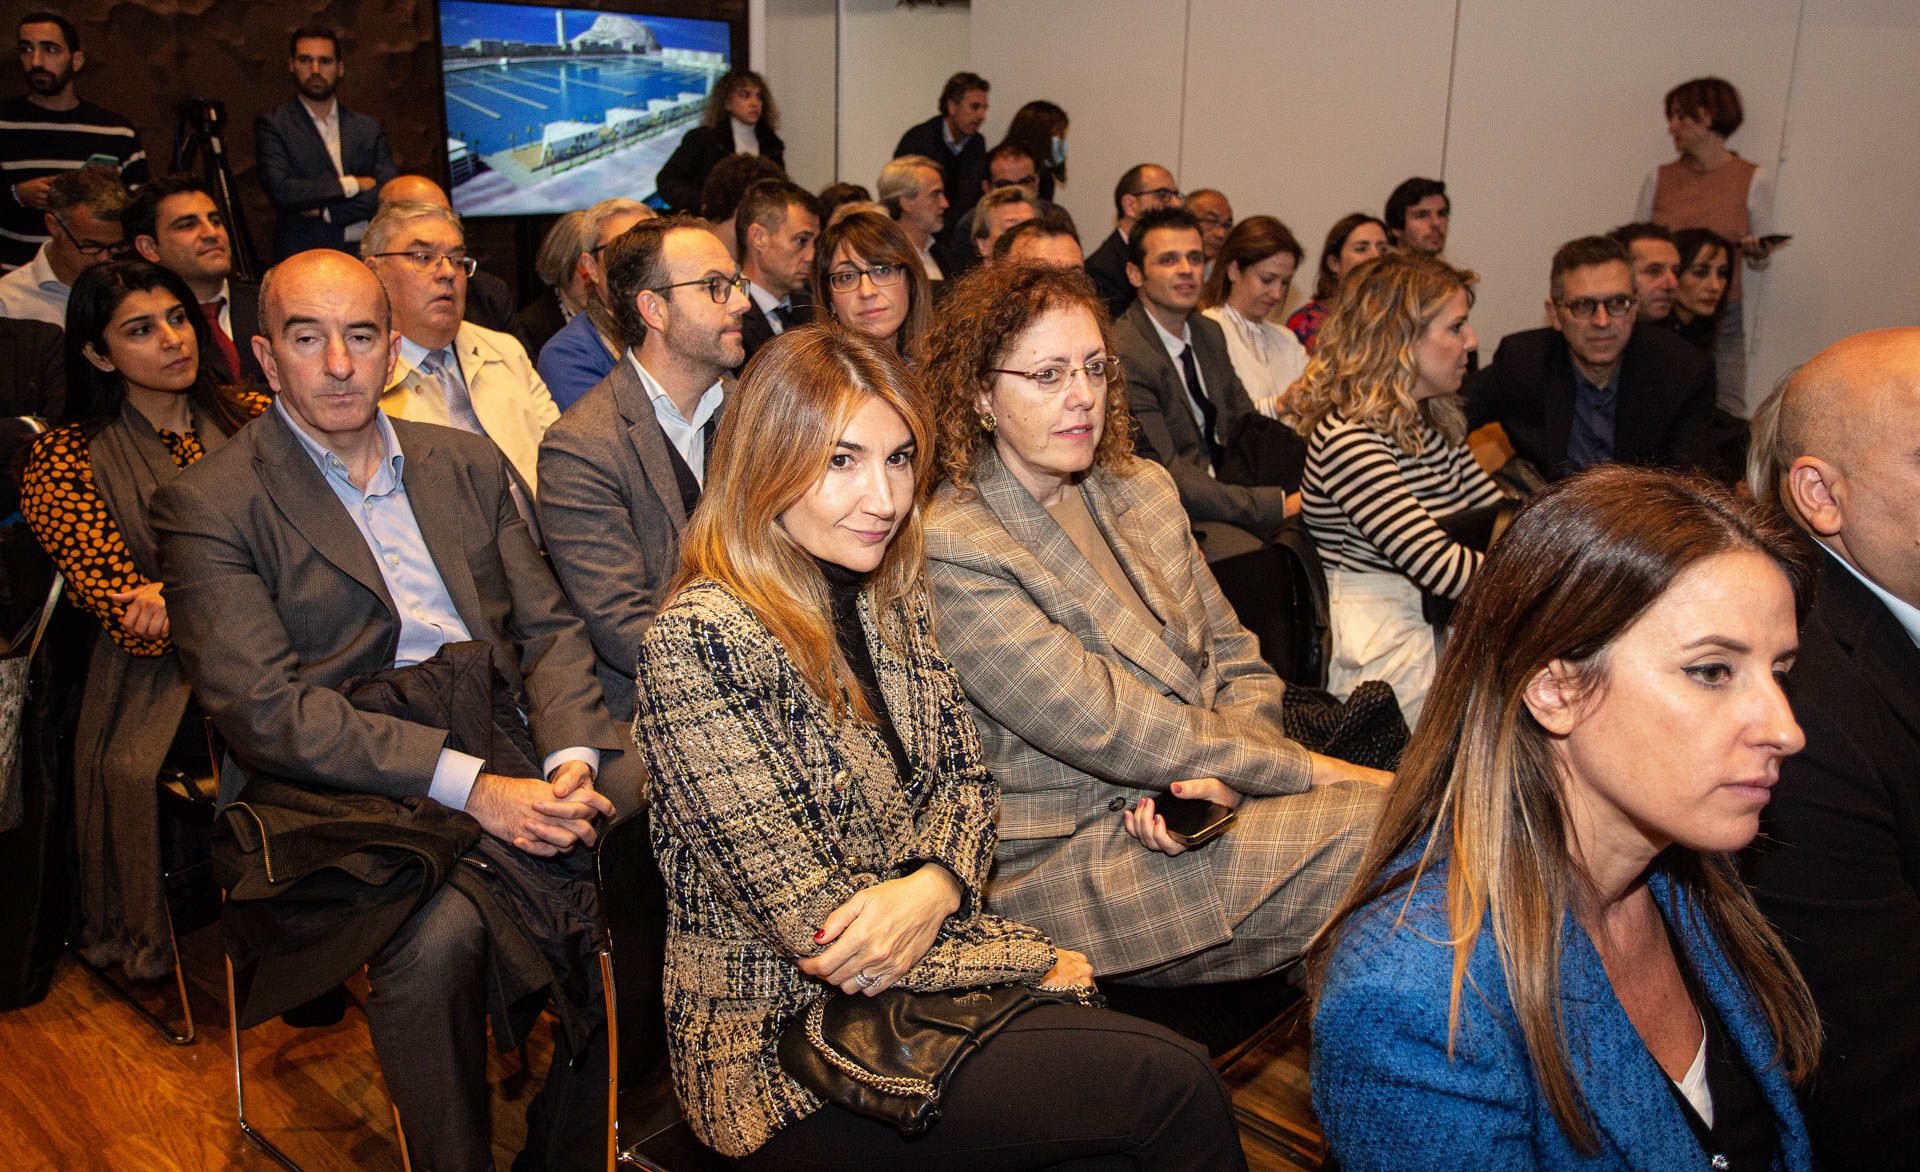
(794, 44)
(893, 62)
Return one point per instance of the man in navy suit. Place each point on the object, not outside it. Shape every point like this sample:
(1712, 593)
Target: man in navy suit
(320, 163)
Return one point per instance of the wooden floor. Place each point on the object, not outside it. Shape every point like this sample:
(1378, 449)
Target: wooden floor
(86, 1084)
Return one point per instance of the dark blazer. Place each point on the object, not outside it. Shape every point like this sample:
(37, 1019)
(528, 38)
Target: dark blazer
(274, 600)
(539, 320)
(298, 175)
(1167, 433)
(756, 331)
(243, 311)
(1107, 265)
(33, 369)
(685, 171)
(1662, 410)
(963, 172)
(1837, 869)
(612, 514)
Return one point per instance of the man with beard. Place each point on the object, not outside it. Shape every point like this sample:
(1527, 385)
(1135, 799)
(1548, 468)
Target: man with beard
(49, 130)
(321, 164)
(174, 223)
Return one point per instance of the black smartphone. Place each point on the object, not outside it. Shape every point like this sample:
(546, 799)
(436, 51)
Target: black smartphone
(1192, 822)
(1775, 240)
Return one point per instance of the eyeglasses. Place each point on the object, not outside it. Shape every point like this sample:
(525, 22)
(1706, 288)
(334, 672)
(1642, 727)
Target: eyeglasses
(1212, 221)
(1160, 193)
(1099, 372)
(718, 288)
(90, 247)
(427, 262)
(847, 280)
(1029, 181)
(1583, 308)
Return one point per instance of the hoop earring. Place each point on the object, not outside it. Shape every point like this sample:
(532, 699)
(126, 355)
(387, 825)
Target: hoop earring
(988, 422)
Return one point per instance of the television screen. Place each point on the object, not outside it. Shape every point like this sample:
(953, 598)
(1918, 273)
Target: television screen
(551, 109)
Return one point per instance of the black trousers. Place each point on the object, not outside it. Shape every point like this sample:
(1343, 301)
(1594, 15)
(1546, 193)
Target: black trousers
(1061, 1087)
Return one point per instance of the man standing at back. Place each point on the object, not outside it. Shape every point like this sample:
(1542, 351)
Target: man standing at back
(623, 469)
(1144, 188)
(776, 224)
(321, 164)
(1837, 864)
(174, 223)
(952, 140)
(48, 130)
(1418, 214)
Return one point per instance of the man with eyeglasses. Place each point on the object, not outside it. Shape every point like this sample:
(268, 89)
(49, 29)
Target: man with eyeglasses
(321, 164)
(450, 371)
(1144, 188)
(586, 348)
(1009, 167)
(1590, 389)
(776, 225)
(174, 223)
(622, 471)
(48, 130)
(490, 302)
(83, 213)
(1215, 214)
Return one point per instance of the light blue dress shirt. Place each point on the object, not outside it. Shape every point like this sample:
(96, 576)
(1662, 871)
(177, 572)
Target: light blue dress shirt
(688, 436)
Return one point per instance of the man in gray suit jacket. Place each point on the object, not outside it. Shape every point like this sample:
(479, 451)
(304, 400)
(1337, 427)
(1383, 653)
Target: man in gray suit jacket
(1182, 388)
(621, 471)
(321, 163)
(325, 541)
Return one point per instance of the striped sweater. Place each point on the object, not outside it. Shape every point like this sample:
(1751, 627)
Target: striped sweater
(1372, 507)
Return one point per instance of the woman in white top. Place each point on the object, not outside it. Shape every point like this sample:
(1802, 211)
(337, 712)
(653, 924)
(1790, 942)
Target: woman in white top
(1386, 461)
(1250, 277)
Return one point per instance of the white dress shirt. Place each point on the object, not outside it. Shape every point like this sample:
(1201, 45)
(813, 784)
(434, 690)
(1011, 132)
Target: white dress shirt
(329, 128)
(745, 140)
(686, 435)
(1267, 357)
(32, 291)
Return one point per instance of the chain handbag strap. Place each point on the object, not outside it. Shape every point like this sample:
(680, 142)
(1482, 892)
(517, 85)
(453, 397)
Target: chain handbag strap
(904, 1087)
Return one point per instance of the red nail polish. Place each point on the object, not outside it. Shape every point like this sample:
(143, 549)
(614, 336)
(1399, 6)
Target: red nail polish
(820, 935)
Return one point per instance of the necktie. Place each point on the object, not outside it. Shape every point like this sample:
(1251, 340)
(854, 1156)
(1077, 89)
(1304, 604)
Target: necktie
(460, 414)
(229, 353)
(1208, 416)
(779, 315)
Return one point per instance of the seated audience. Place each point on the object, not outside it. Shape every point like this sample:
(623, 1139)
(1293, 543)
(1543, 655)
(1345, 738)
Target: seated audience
(622, 471)
(174, 223)
(1835, 869)
(1550, 955)
(1700, 286)
(1144, 187)
(794, 665)
(1039, 128)
(1355, 238)
(33, 369)
(1386, 465)
(585, 349)
(1215, 214)
(1103, 667)
(142, 407)
(726, 184)
(1590, 389)
(296, 558)
(778, 223)
(83, 218)
(557, 264)
(1252, 272)
(1656, 270)
(914, 194)
(951, 140)
(1008, 166)
(1049, 238)
(1418, 214)
(490, 303)
(994, 214)
(449, 371)
(320, 163)
(740, 119)
(836, 194)
(1185, 396)
(873, 281)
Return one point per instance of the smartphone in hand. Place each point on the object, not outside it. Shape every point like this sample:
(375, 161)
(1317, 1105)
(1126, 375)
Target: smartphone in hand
(1193, 822)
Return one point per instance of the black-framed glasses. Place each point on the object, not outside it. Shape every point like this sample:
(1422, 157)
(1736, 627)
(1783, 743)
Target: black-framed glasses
(1098, 371)
(89, 247)
(427, 262)
(718, 288)
(1210, 220)
(1160, 193)
(882, 276)
(1583, 308)
(1029, 182)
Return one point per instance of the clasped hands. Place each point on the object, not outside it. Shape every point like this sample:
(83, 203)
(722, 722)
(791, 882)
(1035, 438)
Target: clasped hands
(874, 938)
(544, 818)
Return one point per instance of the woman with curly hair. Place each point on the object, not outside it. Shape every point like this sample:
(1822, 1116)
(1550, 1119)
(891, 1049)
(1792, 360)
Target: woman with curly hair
(1387, 461)
(1103, 666)
(868, 275)
(740, 118)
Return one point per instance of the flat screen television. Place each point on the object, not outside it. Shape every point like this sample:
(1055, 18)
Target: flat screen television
(551, 109)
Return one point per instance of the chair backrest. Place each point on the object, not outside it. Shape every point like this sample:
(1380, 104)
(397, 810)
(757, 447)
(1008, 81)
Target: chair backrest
(633, 903)
(1279, 592)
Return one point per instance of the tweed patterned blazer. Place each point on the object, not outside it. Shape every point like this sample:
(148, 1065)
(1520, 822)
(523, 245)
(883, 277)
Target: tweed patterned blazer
(768, 815)
(1083, 706)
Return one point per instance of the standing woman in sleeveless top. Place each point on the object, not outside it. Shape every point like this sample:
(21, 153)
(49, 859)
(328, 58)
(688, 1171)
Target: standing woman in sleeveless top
(1711, 186)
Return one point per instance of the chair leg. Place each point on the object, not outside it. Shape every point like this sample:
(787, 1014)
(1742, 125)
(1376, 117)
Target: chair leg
(613, 1059)
(240, 1081)
(160, 1025)
(400, 1136)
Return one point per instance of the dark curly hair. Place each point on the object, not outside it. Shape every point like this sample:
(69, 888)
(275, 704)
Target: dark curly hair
(715, 113)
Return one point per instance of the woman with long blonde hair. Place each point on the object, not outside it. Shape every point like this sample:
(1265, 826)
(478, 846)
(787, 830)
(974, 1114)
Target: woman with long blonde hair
(1549, 953)
(823, 819)
(1387, 461)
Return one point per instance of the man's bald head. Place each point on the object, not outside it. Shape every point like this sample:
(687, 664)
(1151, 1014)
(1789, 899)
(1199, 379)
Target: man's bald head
(414, 188)
(293, 276)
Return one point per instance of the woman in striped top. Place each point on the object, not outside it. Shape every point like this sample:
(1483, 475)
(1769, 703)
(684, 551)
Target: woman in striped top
(1386, 460)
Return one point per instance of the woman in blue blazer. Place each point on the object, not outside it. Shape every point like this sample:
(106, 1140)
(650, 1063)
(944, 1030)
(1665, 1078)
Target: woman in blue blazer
(1548, 958)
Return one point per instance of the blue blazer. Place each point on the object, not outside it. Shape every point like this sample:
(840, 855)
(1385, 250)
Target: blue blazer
(299, 177)
(574, 361)
(1389, 1097)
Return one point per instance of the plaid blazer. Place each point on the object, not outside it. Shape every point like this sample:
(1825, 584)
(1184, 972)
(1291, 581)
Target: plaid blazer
(1082, 705)
(768, 814)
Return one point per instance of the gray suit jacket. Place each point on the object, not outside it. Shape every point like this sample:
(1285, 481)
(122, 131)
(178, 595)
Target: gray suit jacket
(275, 600)
(1083, 707)
(611, 512)
(1167, 432)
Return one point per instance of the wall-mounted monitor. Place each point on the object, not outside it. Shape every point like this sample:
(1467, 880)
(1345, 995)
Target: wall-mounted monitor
(551, 109)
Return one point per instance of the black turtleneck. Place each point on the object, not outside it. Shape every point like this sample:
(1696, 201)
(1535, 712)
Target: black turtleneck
(843, 589)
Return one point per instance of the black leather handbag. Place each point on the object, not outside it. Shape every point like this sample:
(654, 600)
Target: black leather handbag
(889, 1056)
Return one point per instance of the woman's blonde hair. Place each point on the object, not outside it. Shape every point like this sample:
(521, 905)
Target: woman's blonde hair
(780, 428)
(1481, 785)
(1363, 365)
